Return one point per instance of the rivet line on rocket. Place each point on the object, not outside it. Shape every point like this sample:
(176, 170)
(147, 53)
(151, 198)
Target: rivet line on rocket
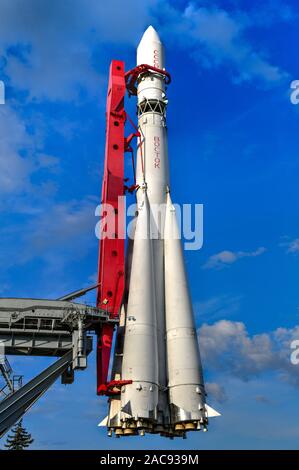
(152, 383)
(140, 144)
(182, 328)
(128, 148)
(137, 134)
(184, 384)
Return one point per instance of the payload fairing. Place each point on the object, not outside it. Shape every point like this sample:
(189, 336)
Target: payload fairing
(156, 350)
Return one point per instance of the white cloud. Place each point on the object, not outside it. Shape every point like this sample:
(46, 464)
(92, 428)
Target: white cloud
(66, 228)
(292, 246)
(216, 37)
(227, 347)
(214, 308)
(56, 236)
(21, 157)
(15, 169)
(262, 399)
(58, 40)
(225, 258)
(215, 391)
(49, 162)
(51, 48)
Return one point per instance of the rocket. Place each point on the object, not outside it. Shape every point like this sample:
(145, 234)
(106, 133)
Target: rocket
(156, 348)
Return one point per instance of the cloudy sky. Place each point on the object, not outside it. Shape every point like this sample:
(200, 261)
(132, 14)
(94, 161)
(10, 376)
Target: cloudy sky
(233, 147)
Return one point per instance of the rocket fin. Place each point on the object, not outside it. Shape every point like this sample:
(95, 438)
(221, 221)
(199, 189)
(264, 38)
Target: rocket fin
(127, 409)
(104, 422)
(211, 412)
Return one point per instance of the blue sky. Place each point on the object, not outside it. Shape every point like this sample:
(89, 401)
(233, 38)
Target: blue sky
(233, 146)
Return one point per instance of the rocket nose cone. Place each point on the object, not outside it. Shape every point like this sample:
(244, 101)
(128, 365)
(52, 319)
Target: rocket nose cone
(150, 35)
(150, 49)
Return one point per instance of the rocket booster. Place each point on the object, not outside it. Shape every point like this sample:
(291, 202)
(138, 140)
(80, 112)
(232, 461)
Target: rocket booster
(157, 347)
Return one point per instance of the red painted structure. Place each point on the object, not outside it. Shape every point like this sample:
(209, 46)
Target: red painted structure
(111, 275)
(111, 268)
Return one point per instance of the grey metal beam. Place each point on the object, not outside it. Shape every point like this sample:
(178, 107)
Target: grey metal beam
(14, 309)
(14, 406)
(33, 344)
(42, 327)
(78, 293)
(6, 371)
(26, 344)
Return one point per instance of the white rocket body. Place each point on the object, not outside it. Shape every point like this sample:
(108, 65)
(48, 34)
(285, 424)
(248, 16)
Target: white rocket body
(140, 399)
(152, 170)
(185, 381)
(160, 351)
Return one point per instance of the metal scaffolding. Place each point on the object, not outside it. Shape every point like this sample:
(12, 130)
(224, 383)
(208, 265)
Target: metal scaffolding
(41, 327)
